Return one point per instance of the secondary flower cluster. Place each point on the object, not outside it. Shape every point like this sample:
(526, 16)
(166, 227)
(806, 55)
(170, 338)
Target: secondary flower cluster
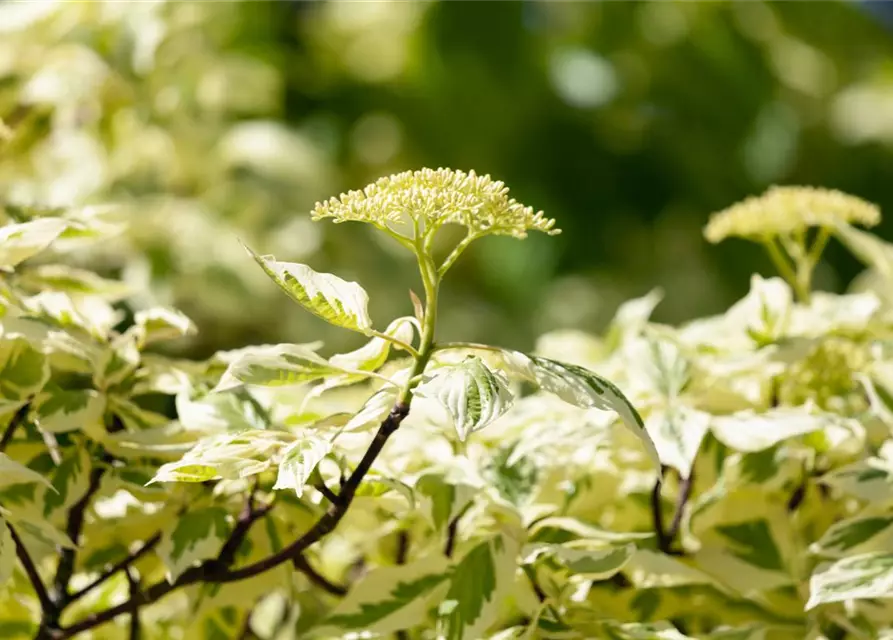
(785, 210)
(436, 197)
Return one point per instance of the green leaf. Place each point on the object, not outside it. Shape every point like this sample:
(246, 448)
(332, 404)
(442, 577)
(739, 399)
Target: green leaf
(860, 577)
(70, 480)
(472, 394)
(274, 366)
(197, 534)
(230, 455)
(443, 497)
(585, 389)
(327, 296)
(7, 554)
(855, 535)
(23, 372)
(11, 472)
(389, 599)
(300, 459)
(159, 324)
(18, 242)
(56, 410)
(677, 432)
(478, 584)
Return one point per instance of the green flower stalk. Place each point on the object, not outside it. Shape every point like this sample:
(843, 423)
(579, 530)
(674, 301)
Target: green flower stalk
(780, 220)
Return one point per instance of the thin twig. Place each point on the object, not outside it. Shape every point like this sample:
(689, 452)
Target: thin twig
(17, 419)
(210, 571)
(329, 495)
(402, 547)
(301, 564)
(657, 517)
(114, 569)
(134, 584)
(681, 500)
(76, 515)
(30, 570)
(450, 544)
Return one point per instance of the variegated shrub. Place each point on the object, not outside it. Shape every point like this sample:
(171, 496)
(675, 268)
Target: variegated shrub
(731, 478)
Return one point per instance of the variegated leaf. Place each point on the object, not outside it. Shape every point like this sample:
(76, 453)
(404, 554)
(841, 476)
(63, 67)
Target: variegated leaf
(859, 577)
(390, 599)
(197, 534)
(337, 301)
(472, 394)
(300, 459)
(18, 242)
(275, 366)
(58, 410)
(585, 389)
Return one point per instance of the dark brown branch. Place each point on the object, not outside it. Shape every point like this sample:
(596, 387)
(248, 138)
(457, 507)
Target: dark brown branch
(14, 422)
(119, 566)
(30, 570)
(250, 514)
(317, 579)
(210, 571)
(666, 536)
(76, 516)
(402, 547)
(134, 584)
(330, 519)
(681, 501)
(329, 495)
(452, 530)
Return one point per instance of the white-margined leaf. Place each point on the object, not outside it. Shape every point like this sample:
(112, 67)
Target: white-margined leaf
(631, 317)
(479, 584)
(72, 281)
(12, 472)
(34, 528)
(58, 410)
(855, 535)
(7, 554)
(23, 372)
(216, 412)
(859, 577)
(300, 459)
(677, 432)
(585, 389)
(116, 362)
(868, 248)
(591, 563)
(18, 242)
(374, 411)
(751, 431)
(70, 480)
(443, 497)
(230, 456)
(472, 394)
(870, 480)
(389, 599)
(274, 366)
(196, 534)
(159, 324)
(337, 301)
(557, 529)
(372, 355)
(642, 631)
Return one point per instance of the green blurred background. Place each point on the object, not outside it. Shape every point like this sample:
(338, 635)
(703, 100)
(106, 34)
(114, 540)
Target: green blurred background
(628, 122)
